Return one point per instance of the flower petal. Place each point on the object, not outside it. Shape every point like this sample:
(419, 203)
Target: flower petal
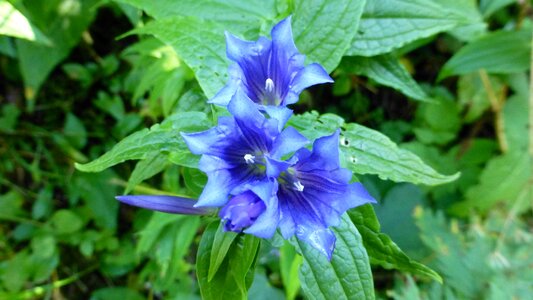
(282, 38)
(289, 140)
(224, 96)
(321, 239)
(280, 113)
(266, 224)
(325, 155)
(168, 204)
(200, 142)
(310, 75)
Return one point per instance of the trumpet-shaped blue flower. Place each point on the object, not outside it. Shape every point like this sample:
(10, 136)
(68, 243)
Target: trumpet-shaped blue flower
(244, 150)
(271, 72)
(314, 192)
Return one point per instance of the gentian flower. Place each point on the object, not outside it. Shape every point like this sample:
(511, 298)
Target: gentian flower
(270, 72)
(314, 192)
(244, 150)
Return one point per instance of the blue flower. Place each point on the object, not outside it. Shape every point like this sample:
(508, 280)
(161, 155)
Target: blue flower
(271, 72)
(244, 150)
(314, 192)
(168, 204)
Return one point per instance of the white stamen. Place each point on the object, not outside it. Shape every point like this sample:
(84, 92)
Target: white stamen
(249, 159)
(298, 185)
(269, 85)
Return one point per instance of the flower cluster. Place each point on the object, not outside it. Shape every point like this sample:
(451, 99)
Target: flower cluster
(260, 171)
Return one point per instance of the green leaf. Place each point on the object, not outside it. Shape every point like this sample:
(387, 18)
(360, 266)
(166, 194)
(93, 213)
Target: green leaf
(75, 132)
(366, 151)
(63, 25)
(472, 25)
(17, 25)
(99, 196)
(388, 71)
(289, 264)
(389, 24)
(504, 179)
(65, 222)
(234, 15)
(200, 44)
(488, 7)
(516, 118)
(158, 223)
(324, 29)
(145, 169)
(239, 261)
(221, 243)
(346, 276)
(498, 52)
(111, 293)
(381, 249)
(164, 137)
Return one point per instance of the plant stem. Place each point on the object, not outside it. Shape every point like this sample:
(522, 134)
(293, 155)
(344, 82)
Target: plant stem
(496, 105)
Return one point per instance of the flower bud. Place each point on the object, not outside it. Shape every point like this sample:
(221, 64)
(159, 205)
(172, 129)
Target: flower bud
(241, 211)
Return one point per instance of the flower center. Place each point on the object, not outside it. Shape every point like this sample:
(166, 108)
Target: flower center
(289, 180)
(249, 159)
(298, 185)
(270, 97)
(269, 85)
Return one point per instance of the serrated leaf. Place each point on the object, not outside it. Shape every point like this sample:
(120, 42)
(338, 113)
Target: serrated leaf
(381, 249)
(367, 151)
(388, 71)
(199, 43)
(323, 29)
(503, 180)
(346, 276)
(500, 52)
(15, 24)
(234, 15)
(389, 24)
(472, 25)
(164, 137)
(221, 243)
(146, 168)
(232, 283)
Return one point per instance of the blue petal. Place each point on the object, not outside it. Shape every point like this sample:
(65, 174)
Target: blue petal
(209, 163)
(310, 75)
(321, 239)
(216, 191)
(280, 113)
(244, 109)
(168, 204)
(358, 195)
(275, 167)
(239, 50)
(224, 96)
(289, 140)
(200, 142)
(325, 155)
(251, 122)
(266, 224)
(282, 37)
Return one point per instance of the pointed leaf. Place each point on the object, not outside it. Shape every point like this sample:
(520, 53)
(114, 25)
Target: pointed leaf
(386, 70)
(164, 137)
(323, 29)
(346, 276)
(381, 249)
